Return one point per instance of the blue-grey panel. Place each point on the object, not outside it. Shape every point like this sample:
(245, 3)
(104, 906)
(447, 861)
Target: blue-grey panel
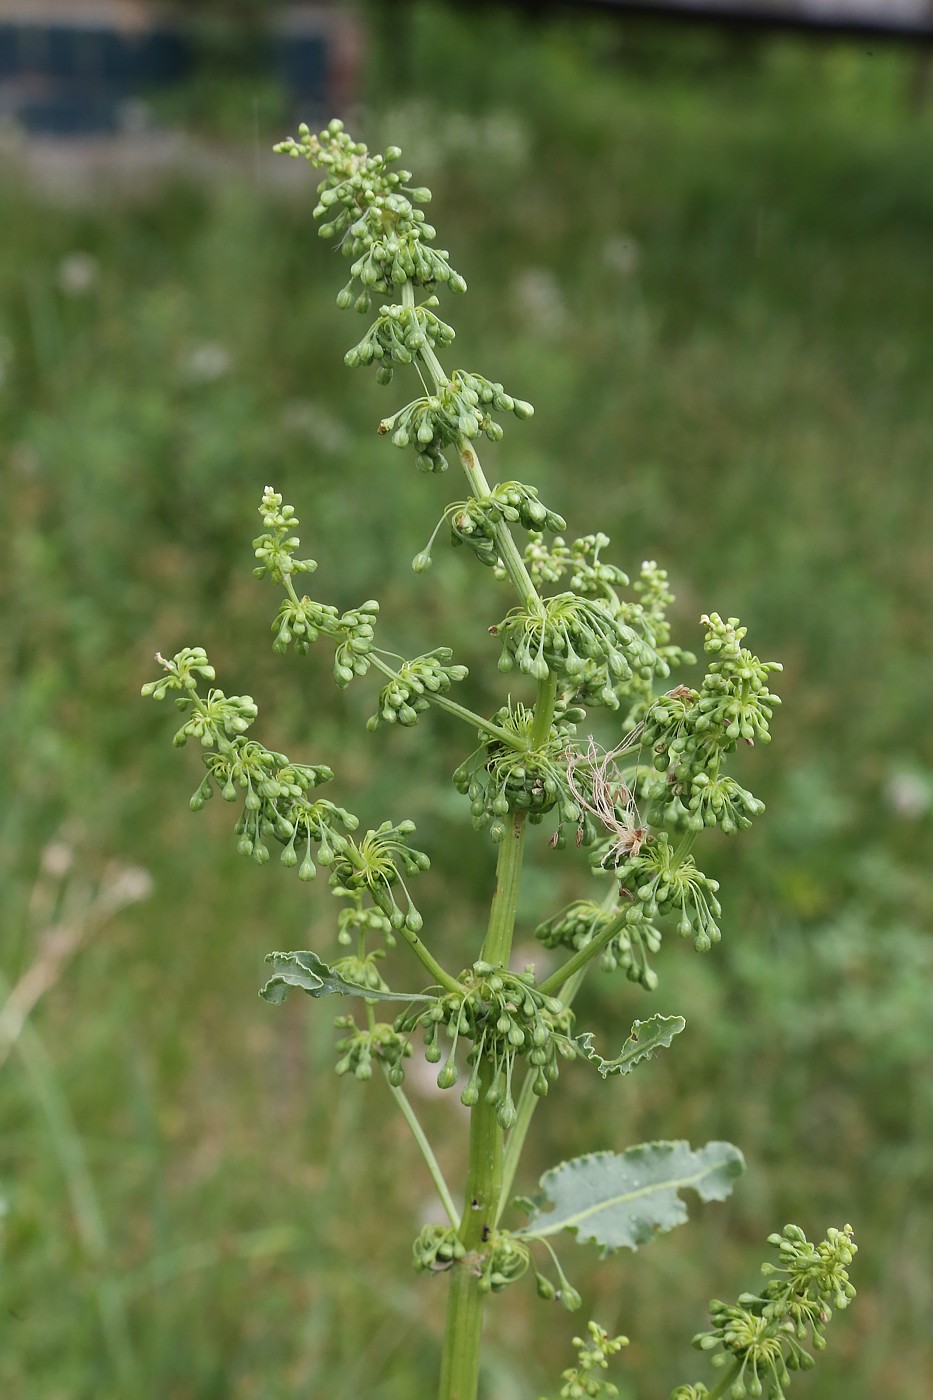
(73, 51)
(301, 62)
(68, 114)
(8, 50)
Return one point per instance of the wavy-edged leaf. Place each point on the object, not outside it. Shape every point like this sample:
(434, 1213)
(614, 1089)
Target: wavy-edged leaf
(646, 1038)
(619, 1200)
(307, 972)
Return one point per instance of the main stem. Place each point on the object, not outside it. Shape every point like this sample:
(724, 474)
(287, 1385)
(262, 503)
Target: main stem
(464, 1325)
(463, 1331)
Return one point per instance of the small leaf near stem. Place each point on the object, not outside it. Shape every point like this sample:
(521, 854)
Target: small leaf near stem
(646, 1039)
(306, 972)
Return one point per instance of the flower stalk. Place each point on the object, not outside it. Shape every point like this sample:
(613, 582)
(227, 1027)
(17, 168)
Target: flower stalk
(581, 638)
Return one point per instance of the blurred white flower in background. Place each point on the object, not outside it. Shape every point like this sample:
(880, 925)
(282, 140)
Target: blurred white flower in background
(123, 885)
(909, 794)
(430, 139)
(305, 418)
(621, 254)
(205, 364)
(56, 860)
(541, 302)
(78, 274)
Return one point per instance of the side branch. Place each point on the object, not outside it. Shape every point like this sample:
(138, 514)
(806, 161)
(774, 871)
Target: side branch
(552, 985)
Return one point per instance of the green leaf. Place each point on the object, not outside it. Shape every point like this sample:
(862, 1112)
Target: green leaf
(307, 972)
(646, 1038)
(620, 1200)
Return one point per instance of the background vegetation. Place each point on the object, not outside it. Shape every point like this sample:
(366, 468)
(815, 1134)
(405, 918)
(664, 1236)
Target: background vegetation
(717, 258)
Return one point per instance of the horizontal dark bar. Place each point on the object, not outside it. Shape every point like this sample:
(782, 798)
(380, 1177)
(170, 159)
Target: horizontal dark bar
(838, 20)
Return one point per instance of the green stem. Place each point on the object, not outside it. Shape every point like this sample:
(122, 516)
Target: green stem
(465, 1301)
(429, 961)
(684, 848)
(509, 552)
(463, 1330)
(476, 721)
(420, 1136)
(498, 941)
(495, 731)
(722, 1387)
(552, 985)
(514, 741)
(544, 710)
(431, 1162)
(528, 1100)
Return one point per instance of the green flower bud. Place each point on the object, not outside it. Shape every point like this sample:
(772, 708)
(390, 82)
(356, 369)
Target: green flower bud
(448, 1076)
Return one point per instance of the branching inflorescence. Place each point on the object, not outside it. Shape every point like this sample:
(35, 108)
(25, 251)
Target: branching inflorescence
(579, 637)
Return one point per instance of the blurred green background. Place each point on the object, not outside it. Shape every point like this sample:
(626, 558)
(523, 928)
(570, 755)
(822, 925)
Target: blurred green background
(707, 263)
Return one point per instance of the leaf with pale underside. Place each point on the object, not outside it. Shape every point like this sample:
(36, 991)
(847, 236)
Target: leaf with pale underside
(646, 1038)
(308, 973)
(620, 1200)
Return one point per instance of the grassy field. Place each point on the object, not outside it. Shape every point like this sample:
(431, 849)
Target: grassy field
(708, 266)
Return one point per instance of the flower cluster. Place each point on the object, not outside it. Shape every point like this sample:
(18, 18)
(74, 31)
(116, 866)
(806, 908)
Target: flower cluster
(500, 778)
(371, 867)
(660, 882)
(504, 1260)
(647, 615)
(275, 548)
(639, 634)
(504, 1016)
(436, 1249)
(300, 621)
(593, 1353)
(370, 209)
(381, 1043)
(474, 522)
(688, 733)
(628, 949)
(590, 576)
(582, 641)
(357, 920)
(458, 409)
(276, 793)
(402, 700)
(762, 1336)
(183, 673)
(397, 335)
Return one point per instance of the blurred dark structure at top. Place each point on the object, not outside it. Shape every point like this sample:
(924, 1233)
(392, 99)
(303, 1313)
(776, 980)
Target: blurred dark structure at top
(895, 19)
(82, 67)
(90, 67)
